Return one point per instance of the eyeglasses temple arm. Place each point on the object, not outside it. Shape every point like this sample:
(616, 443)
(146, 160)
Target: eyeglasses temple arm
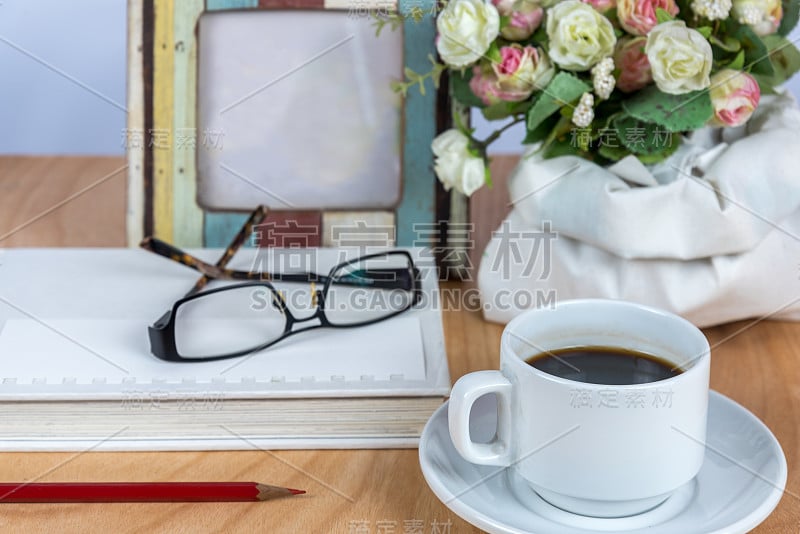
(356, 279)
(156, 246)
(298, 277)
(244, 232)
(171, 252)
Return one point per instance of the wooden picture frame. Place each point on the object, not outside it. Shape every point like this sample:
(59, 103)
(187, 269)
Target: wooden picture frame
(162, 93)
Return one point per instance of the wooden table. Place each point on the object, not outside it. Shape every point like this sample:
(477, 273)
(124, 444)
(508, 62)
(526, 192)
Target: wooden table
(349, 491)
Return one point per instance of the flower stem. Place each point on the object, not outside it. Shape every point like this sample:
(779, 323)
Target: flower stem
(497, 133)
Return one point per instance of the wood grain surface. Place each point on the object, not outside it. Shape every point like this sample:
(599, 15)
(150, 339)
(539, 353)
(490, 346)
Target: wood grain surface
(362, 491)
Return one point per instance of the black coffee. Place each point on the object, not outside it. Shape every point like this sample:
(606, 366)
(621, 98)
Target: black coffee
(604, 365)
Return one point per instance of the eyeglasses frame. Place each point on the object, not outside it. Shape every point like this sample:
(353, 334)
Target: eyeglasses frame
(162, 332)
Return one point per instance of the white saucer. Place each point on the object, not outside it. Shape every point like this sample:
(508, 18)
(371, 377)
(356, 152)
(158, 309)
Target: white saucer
(739, 485)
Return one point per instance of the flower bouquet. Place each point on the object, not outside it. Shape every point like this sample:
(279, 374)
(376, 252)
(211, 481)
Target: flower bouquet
(662, 158)
(605, 79)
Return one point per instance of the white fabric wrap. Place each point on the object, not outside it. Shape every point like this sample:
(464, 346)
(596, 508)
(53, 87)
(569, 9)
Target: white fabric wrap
(712, 233)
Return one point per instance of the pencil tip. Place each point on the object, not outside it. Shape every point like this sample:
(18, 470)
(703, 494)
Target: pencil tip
(266, 492)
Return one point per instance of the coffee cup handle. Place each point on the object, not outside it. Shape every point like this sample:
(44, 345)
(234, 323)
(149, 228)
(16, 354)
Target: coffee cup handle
(465, 392)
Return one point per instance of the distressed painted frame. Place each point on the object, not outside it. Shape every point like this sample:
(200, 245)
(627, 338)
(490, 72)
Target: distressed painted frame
(162, 92)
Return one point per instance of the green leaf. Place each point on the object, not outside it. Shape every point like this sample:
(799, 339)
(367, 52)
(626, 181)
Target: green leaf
(791, 14)
(705, 31)
(381, 20)
(728, 44)
(670, 147)
(541, 132)
(494, 53)
(518, 108)
(540, 36)
(399, 87)
(563, 89)
(459, 89)
(459, 124)
(563, 147)
(676, 113)
(436, 70)
(663, 15)
(784, 55)
(614, 153)
(765, 83)
(474, 151)
(684, 6)
(417, 13)
(642, 137)
(738, 61)
(497, 111)
(756, 55)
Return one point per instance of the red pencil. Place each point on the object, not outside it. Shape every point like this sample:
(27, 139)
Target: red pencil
(141, 492)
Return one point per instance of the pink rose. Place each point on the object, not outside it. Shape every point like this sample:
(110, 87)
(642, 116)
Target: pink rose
(484, 85)
(521, 71)
(601, 5)
(511, 60)
(632, 62)
(524, 16)
(735, 96)
(639, 16)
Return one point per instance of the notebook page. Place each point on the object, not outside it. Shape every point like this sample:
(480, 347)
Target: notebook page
(113, 351)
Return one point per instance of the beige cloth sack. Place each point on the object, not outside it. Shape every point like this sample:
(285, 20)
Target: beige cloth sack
(712, 233)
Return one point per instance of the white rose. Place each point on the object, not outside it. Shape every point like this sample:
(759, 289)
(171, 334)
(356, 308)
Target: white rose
(579, 36)
(455, 166)
(466, 30)
(680, 58)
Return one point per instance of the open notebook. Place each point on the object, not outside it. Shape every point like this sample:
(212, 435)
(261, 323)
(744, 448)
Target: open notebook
(76, 371)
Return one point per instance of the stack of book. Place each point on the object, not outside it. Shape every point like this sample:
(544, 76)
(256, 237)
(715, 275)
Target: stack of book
(76, 371)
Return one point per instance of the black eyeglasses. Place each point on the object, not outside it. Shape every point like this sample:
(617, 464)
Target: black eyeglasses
(243, 318)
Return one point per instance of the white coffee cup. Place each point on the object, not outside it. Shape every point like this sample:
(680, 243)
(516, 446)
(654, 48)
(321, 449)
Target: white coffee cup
(566, 439)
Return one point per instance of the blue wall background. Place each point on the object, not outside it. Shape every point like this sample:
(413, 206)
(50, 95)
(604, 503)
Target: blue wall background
(44, 112)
